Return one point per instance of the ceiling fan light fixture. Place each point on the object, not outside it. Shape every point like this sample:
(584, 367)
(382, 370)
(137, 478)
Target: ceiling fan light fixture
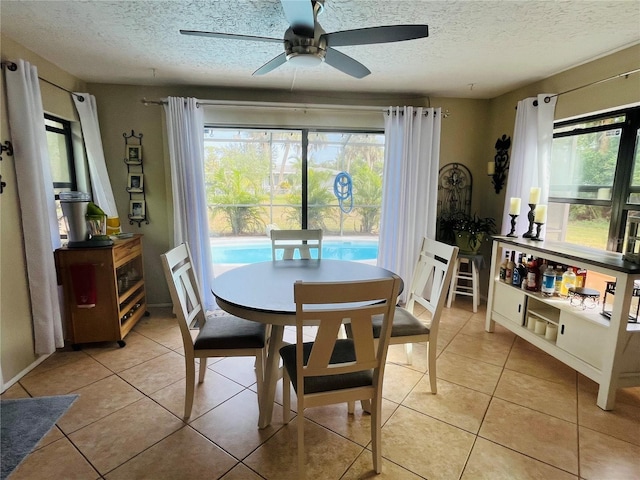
(305, 52)
(304, 60)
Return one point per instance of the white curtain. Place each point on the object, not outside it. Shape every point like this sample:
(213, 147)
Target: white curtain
(37, 203)
(100, 184)
(185, 132)
(410, 189)
(530, 157)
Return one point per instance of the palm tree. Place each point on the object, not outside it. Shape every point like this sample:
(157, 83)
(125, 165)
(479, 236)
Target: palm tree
(235, 179)
(367, 194)
(319, 197)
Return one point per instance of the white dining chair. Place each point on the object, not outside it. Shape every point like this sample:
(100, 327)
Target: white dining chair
(219, 336)
(288, 241)
(304, 241)
(332, 370)
(428, 289)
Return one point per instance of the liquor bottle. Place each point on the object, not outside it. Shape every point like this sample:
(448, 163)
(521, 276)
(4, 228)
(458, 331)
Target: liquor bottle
(519, 273)
(516, 273)
(542, 264)
(558, 284)
(548, 282)
(522, 269)
(532, 275)
(508, 274)
(568, 281)
(503, 267)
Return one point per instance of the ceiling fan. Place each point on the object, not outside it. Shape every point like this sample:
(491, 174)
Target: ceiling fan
(307, 44)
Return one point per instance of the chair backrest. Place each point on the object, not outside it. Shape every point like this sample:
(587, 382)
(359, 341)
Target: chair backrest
(291, 240)
(431, 279)
(328, 305)
(185, 291)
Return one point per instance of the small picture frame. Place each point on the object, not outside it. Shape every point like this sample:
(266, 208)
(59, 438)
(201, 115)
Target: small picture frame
(133, 154)
(135, 183)
(137, 209)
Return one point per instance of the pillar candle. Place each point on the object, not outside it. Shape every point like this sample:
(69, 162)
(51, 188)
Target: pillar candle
(491, 168)
(540, 214)
(514, 206)
(534, 196)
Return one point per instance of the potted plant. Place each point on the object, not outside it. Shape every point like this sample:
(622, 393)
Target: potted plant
(466, 231)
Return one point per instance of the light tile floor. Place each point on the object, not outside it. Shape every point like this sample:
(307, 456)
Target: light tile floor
(504, 410)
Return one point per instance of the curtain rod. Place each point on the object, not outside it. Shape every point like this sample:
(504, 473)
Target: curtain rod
(13, 67)
(548, 98)
(289, 106)
(299, 106)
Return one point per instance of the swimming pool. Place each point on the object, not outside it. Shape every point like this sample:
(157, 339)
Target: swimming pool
(357, 250)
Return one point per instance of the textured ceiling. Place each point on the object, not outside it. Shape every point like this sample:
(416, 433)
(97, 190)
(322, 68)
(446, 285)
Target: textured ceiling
(476, 49)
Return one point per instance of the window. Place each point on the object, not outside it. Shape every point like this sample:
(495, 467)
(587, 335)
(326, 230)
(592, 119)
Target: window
(60, 153)
(594, 179)
(258, 179)
(62, 161)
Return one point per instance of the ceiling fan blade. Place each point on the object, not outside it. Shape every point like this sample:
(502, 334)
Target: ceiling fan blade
(368, 36)
(271, 64)
(230, 36)
(299, 14)
(345, 64)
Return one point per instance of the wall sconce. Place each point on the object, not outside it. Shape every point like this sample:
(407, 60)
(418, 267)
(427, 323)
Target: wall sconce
(7, 147)
(497, 169)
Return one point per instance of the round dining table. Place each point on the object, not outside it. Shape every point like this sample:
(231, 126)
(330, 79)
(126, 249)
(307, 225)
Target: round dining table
(263, 292)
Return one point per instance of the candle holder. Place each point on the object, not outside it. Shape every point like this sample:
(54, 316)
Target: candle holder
(536, 237)
(513, 226)
(530, 216)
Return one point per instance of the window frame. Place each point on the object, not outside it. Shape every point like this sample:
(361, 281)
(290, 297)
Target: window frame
(621, 188)
(304, 142)
(71, 164)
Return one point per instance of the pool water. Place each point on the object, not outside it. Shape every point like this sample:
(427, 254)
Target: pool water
(257, 252)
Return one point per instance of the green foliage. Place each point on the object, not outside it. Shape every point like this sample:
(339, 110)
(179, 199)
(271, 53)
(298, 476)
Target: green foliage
(579, 212)
(584, 160)
(235, 185)
(254, 178)
(599, 155)
(449, 224)
(367, 193)
(319, 196)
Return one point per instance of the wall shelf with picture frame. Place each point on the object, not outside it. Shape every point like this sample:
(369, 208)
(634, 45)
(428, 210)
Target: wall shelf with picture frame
(133, 159)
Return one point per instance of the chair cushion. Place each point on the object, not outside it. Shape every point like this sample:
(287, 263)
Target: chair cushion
(342, 352)
(404, 324)
(230, 332)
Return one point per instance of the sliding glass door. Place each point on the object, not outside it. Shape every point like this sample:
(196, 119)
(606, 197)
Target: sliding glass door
(260, 179)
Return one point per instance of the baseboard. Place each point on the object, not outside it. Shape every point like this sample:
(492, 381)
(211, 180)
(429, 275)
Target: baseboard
(16, 379)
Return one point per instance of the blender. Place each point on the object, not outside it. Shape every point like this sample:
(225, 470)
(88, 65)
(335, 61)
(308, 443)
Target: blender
(97, 227)
(86, 222)
(74, 209)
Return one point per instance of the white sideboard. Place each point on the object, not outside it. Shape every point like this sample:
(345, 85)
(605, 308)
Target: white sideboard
(606, 350)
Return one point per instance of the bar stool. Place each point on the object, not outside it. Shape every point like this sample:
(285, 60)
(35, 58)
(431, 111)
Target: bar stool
(466, 282)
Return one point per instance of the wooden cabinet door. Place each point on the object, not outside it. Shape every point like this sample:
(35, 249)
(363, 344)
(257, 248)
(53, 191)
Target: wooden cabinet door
(509, 302)
(100, 322)
(581, 338)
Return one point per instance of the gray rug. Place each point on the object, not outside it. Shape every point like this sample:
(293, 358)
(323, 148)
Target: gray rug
(23, 423)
